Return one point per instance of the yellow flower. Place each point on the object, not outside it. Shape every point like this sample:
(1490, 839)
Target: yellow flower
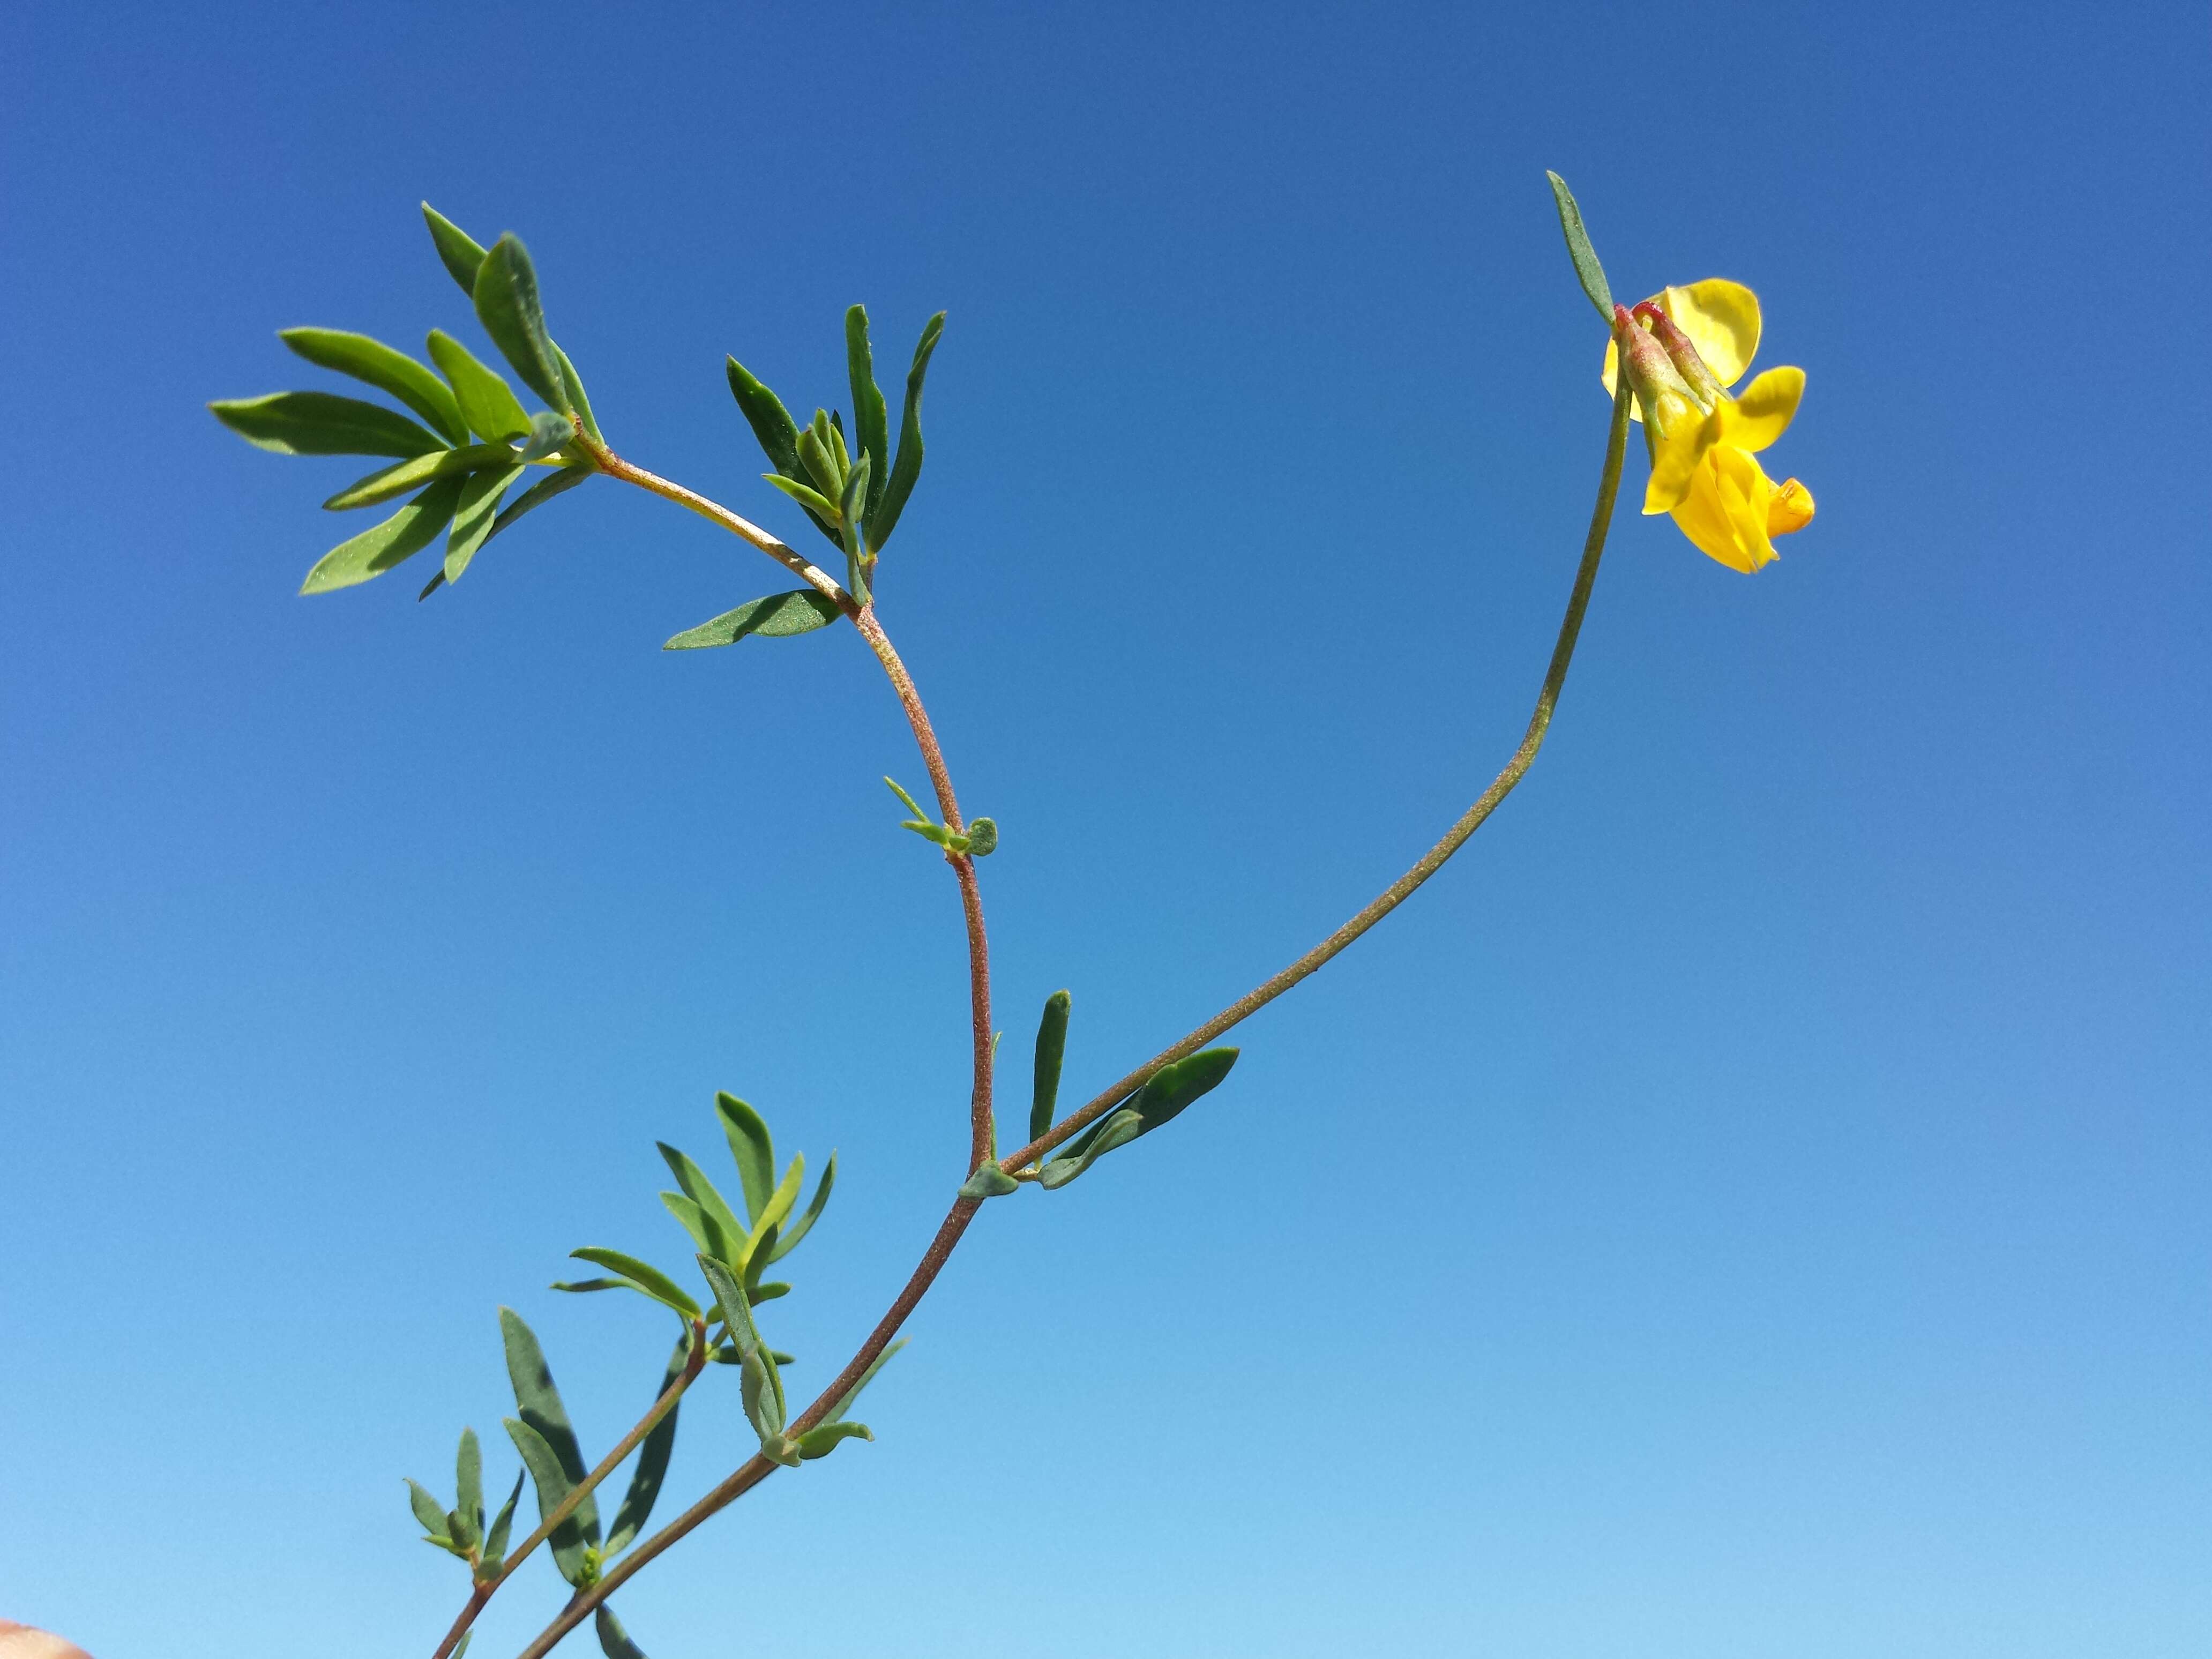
(1684, 347)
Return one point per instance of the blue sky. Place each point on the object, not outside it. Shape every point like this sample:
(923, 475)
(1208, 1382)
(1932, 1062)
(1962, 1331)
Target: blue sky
(1752, 1202)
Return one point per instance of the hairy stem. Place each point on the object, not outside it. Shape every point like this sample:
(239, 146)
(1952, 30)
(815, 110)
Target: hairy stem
(1539, 722)
(964, 869)
(483, 1592)
(756, 1469)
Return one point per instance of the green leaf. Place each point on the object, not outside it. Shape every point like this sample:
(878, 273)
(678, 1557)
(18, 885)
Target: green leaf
(758, 1293)
(383, 367)
(1051, 1050)
(538, 1404)
(495, 1549)
(853, 1395)
(821, 1441)
(777, 617)
(788, 1240)
(647, 1278)
(653, 1457)
(871, 427)
(907, 468)
(820, 464)
(474, 514)
(540, 493)
(805, 495)
(488, 402)
(760, 1386)
(614, 1640)
(1588, 271)
(401, 477)
(461, 1647)
(323, 423)
(761, 1241)
(468, 1486)
(705, 1231)
(752, 1147)
(983, 837)
(852, 504)
(718, 1217)
(573, 1539)
(548, 432)
(427, 1512)
(463, 254)
(507, 305)
(1173, 1087)
(989, 1181)
(908, 801)
(572, 387)
(400, 537)
(580, 1285)
(1114, 1130)
(773, 429)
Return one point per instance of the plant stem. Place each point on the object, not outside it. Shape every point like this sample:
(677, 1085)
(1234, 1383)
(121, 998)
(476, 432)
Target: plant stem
(964, 869)
(1539, 722)
(693, 1364)
(756, 1469)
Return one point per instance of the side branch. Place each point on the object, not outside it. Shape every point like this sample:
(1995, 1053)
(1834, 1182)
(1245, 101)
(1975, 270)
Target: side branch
(1539, 722)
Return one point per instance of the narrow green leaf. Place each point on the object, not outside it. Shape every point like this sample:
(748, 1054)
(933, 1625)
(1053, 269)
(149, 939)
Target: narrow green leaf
(886, 516)
(461, 1647)
(758, 1293)
(538, 1404)
(752, 1147)
(1588, 271)
(572, 1540)
(1173, 1087)
(820, 465)
(649, 1279)
(783, 1198)
(1116, 1129)
(383, 367)
(821, 1441)
(871, 427)
(852, 506)
(323, 423)
(719, 1217)
(907, 800)
(789, 1240)
(400, 537)
(427, 1511)
(495, 1549)
(474, 514)
(614, 1640)
(1051, 1050)
(760, 1386)
(538, 494)
(777, 617)
(488, 402)
(580, 1285)
(507, 306)
(401, 476)
(805, 495)
(774, 430)
(653, 1457)
(572, 386)
(853, 1395)
(705, 1234)
(462, 254)
(468, 1483)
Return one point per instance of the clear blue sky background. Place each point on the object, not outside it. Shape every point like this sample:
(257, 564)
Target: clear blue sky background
(1753, 1203)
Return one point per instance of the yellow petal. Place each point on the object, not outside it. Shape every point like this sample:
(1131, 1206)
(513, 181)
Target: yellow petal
(1678, 440)
(1790, 509)
(1722, 319)
(1763, 414)
(1725, 512)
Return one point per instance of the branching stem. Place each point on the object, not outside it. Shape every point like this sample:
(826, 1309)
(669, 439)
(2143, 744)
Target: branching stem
(757, 1469)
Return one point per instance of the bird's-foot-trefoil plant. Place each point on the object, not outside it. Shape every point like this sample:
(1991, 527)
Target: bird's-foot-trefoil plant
(458, 462)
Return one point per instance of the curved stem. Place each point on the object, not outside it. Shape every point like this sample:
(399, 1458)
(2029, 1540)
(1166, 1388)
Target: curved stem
(757, 1469)
(964, 870)
(481, 1593)
(1539, 722)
